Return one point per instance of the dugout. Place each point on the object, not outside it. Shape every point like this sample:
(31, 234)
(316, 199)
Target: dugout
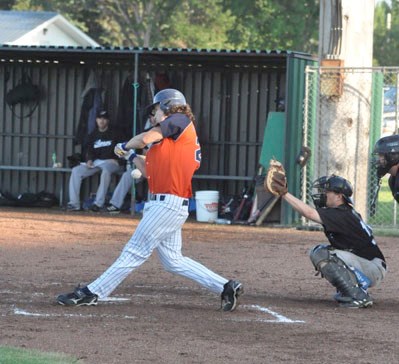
(231, 94)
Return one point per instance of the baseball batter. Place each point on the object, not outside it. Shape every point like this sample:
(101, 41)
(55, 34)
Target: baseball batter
(352, 262)
(170, 163)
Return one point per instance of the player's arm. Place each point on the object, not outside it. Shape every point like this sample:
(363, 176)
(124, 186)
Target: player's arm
(301, 207)
(141, 140)
(139, 162)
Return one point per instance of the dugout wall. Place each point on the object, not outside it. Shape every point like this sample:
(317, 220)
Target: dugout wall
(231, 93)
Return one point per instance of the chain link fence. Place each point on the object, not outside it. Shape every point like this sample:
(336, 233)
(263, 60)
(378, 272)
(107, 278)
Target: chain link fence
(346, 110)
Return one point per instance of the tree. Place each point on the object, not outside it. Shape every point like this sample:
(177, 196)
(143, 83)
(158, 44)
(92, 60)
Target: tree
(200, 24)
(276, 24)
(386, 41)
(144, 23)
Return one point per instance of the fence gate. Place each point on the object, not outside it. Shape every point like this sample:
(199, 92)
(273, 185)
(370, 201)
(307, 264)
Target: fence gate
(346, 110)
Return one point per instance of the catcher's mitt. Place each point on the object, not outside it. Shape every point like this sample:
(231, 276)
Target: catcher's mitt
(275, 179)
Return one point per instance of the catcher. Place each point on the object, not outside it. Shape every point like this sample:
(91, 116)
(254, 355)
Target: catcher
(352, 261)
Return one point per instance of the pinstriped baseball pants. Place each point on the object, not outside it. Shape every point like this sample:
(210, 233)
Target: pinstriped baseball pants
(160, 229)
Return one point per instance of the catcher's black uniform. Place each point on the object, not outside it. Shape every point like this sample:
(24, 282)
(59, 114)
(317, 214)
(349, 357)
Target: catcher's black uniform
(346, 230)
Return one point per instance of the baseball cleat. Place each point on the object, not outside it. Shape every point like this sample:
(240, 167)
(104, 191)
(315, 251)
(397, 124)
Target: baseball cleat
(229, 297)
(357, 303)
(79, 297)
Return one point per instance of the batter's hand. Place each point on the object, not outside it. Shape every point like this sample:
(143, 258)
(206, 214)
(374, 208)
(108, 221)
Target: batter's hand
(130, 155)
(120, 150)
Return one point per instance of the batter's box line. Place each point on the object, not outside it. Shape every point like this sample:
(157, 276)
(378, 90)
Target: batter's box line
(19, 312)
(278, 317)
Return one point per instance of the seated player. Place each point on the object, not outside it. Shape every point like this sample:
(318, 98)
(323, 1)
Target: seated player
(100, 159)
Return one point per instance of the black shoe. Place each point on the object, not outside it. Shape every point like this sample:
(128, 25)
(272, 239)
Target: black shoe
(95, 208)
(364, 303)
(112, 209)
(232, 289)
(79, 297)
(71, 207)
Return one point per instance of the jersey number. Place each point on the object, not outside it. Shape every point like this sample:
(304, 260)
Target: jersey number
(198, 152)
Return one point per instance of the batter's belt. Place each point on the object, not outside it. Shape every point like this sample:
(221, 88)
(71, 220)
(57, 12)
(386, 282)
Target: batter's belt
(168, 198)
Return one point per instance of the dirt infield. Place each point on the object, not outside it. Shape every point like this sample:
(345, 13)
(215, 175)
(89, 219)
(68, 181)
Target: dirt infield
(286, 315)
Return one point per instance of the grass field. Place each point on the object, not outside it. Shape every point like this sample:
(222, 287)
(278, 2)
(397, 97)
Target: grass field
(386, 211)
(11, 355)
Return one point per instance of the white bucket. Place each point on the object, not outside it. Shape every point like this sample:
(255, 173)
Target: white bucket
(207, 205)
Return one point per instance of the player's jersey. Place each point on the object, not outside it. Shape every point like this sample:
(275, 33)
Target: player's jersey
(346, 230)
(101, 144)
(171, 163)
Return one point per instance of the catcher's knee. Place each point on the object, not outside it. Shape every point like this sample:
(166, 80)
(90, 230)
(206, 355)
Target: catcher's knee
(318, 255)
(342, 277)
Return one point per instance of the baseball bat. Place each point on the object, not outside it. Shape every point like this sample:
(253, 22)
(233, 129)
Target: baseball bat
(244, 199)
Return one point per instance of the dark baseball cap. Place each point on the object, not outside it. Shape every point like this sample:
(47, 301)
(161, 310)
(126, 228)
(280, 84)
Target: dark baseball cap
(103, 114)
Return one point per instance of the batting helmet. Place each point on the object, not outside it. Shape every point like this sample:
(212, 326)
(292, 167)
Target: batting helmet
(386, 154)
(331, 183)
(167, 98)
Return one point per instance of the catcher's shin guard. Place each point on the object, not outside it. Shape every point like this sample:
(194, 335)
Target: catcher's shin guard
(337, 273)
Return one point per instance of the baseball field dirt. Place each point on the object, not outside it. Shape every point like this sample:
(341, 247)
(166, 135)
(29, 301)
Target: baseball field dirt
(286, 315)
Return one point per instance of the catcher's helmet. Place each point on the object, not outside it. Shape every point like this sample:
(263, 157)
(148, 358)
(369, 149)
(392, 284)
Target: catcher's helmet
(331, 183)
(386, 154)
(167, 98)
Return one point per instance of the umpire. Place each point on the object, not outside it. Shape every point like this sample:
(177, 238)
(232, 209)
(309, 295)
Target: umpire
(352, 261)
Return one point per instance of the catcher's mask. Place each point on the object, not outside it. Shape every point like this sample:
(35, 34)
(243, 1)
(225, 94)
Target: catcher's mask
(331, 183)
(386, 154)
(167, 98)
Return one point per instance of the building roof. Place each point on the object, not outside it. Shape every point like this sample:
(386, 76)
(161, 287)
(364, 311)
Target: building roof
(104, 55)
(19, 24)
(16, 24)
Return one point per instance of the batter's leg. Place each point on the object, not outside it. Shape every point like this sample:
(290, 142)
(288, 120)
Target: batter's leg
(169, 252)
(157, 224)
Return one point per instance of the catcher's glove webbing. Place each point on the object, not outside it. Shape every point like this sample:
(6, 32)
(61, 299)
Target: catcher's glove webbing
(276, 180)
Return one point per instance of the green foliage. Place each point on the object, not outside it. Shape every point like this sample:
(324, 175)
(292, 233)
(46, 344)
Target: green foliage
(385, 212)
(9, 355)
(200, 24)
(276, 24)
(386, 41)
(220, 24)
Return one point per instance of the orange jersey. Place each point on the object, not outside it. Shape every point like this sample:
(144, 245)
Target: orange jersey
(171, 163)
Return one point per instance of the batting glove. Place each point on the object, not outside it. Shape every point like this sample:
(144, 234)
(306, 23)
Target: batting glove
(130, 155)
(120, 150)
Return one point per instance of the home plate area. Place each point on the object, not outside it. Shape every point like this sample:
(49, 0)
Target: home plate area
(175, 300)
